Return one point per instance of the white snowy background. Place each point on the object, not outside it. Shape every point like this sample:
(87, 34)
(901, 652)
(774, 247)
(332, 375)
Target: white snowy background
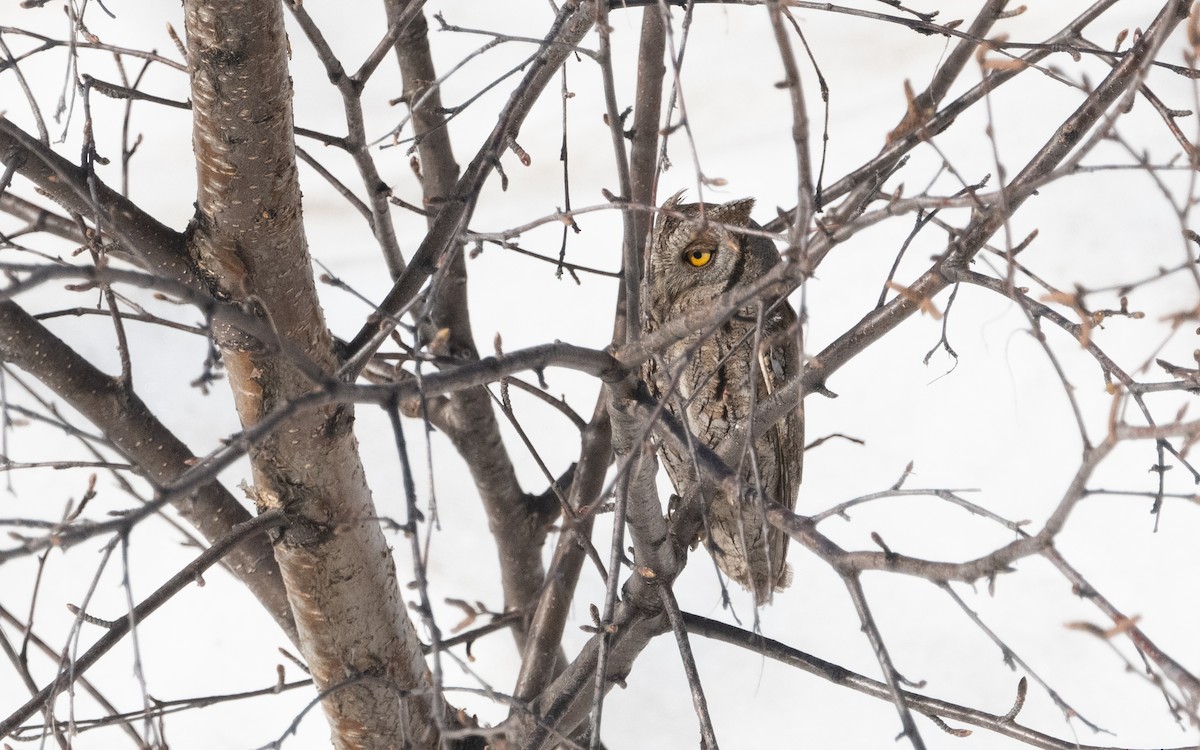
(998, 422)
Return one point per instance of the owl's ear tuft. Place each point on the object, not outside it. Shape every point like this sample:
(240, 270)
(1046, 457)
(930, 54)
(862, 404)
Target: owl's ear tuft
(664, 224)
(674, 200)
(736, 212)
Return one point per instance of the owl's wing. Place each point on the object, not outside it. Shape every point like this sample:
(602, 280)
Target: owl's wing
(779, 363)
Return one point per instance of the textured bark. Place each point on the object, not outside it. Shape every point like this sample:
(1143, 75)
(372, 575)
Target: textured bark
(248, 241)
(542, 657)
(647, 113)
(564, 706)
(123, 418)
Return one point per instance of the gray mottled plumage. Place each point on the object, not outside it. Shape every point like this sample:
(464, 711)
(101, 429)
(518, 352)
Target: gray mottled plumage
(721, 377)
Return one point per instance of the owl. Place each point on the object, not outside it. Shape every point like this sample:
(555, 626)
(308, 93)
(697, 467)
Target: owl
(720, 375)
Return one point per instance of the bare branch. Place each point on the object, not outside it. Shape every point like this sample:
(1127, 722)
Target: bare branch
(137, 433)
(932, 707)
(160, 249)
(120, 628)
(569, 28)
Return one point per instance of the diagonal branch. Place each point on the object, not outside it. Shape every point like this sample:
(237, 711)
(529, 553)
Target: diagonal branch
(546, 625)
(572, 23)
(932, 707)
(518, 527)
(890, 675)
(142, 438)
(355, 142)
(1123, 79)
(708, 736)
(118, 629)
(797, 226)
(914, 133)
(160, 248)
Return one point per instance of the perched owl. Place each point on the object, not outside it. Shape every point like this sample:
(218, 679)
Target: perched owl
(721, 377)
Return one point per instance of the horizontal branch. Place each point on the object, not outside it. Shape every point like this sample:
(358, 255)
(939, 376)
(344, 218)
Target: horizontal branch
(593, 362)
(1000, 560)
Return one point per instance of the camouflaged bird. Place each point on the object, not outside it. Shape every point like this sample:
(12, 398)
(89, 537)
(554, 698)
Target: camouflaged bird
(722, 374)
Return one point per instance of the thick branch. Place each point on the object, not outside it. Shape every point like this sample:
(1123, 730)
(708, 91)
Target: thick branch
(146, 442)
(647, 113)
(41, 219)
(565, 704)
(160, 248)
(546, 626)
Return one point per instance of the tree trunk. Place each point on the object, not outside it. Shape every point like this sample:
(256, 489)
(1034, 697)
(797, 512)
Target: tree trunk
(248, 241)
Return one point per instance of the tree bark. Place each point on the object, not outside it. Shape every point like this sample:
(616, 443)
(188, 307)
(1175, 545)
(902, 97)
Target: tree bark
(248, 242)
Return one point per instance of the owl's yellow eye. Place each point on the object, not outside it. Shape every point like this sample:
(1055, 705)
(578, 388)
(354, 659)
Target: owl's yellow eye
(698, 257)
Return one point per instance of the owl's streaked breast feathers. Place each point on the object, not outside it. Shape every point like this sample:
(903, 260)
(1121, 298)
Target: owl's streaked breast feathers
(692, 262)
